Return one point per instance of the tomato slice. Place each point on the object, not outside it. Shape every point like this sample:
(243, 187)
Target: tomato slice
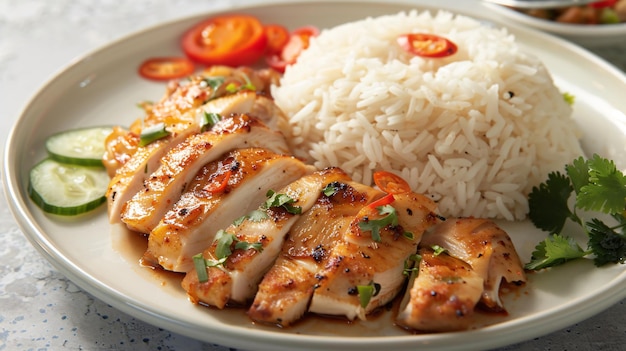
(277, 37)
(391, 183)
(427, 45)
(231, 40)
(165, 68)
(298, 41)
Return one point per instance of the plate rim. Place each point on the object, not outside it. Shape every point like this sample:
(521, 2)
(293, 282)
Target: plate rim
(41, 241)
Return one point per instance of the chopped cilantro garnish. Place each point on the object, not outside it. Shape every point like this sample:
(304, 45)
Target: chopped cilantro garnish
(254, 216)
(214, 82)
(275, 199)
(598, 188)
(375, 225)
(554, 250)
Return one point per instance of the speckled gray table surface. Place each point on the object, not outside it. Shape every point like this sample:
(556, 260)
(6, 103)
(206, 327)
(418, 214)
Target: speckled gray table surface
(40, 309)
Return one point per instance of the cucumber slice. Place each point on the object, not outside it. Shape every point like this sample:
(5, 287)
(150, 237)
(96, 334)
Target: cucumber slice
(65, 189)
(83, 147)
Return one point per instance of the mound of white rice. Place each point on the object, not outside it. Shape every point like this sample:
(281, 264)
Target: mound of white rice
(476, 130)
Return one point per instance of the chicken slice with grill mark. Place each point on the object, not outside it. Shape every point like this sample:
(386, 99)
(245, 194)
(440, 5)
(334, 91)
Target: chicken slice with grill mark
(236, 280)
(486, 248)
(178, 167)
(286, 290)
(441, 296)
(365, 262)
(221, 192)
(129, 178)
(184, 97)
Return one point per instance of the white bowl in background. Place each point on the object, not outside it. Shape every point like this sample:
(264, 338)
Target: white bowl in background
(591, 36)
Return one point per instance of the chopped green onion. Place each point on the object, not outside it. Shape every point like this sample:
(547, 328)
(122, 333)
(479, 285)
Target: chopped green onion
(153, 133)
(366, 292)
(409, 235)
(209, 120)
(232, 88)
(438, 250)
(200, 266)
(331, 189)
(411, 264)
(569, 98)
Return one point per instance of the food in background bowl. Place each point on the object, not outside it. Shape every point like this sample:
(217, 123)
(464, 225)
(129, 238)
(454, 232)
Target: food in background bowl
(601, 12)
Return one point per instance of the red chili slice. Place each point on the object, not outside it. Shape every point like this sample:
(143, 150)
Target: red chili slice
(427, 45)
(385, 200)
(166, 68)
(219, 182)
(391, 183)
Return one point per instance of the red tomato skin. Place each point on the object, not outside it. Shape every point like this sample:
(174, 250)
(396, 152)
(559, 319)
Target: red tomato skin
(298, 41)
(276, 62)
(277, 36)
(154, 68)
(249, 52)
(448, 48)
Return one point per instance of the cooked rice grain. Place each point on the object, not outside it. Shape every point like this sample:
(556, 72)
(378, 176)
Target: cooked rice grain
(476, 130)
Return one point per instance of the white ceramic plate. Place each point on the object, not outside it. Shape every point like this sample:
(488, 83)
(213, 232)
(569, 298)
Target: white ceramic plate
(591, 36)
(103, 88)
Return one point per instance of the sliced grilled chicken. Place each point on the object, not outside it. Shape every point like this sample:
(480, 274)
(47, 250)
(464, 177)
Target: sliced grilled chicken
(366, 268)
(221, 192)
(178, 167)
(183, 97)
(486, 248)
(236, 280)
(286, 290)
(441, 296)
(129, 178)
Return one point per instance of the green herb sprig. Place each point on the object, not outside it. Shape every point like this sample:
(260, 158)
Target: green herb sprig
(600, 189)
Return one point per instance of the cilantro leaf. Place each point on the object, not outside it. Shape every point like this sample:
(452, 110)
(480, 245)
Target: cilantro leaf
(607, 245)
(578, 172)
(275, 199)
(553, 251)
(606, 191)
(599, 187)
(548, 203)
(331, 189)
(254, 216)
(375, 225)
